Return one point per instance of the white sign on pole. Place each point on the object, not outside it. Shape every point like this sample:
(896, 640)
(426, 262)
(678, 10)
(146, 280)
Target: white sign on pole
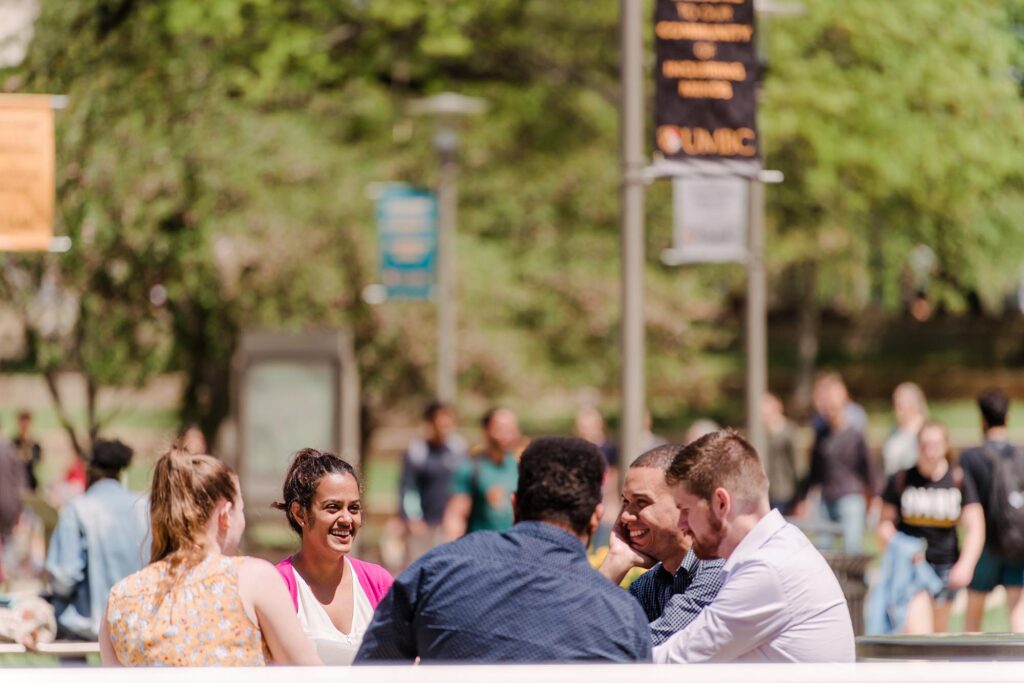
(710, 220)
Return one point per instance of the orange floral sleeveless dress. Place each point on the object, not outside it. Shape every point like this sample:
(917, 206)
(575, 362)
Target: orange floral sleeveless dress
(194, 619)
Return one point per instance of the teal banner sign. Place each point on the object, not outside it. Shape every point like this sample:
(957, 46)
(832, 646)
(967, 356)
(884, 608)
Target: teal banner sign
(407, 237)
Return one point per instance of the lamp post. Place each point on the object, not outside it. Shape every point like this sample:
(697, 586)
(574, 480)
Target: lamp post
(631, 132)
(447, 108)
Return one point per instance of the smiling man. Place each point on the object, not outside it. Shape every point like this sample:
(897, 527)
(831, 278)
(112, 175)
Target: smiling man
(678, 585)
(780, 601)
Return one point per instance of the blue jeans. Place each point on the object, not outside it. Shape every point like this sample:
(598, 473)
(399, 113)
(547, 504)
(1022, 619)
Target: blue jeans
(849, 512)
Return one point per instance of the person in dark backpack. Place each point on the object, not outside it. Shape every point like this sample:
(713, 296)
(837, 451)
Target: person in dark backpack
(991, 468)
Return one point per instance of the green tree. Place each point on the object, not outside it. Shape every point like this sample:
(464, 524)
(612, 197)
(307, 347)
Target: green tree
(221, 151)
(896, 124)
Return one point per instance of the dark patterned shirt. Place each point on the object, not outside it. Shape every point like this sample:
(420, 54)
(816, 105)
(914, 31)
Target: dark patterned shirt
(672, 602)
(523, 595)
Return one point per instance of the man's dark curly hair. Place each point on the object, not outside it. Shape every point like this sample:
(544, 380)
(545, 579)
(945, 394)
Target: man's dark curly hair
(308, 467)
(560, 481)
(110, 457)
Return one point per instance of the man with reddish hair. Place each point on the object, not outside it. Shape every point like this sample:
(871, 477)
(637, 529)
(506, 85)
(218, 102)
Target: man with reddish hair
(779, 601)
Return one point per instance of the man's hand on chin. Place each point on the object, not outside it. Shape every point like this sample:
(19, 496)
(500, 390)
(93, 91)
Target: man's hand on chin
(622, 557)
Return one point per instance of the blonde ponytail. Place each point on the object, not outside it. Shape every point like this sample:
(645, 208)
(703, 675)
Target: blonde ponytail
(185, 492)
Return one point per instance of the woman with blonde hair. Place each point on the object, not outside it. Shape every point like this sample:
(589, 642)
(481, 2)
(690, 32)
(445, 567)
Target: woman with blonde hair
(195, 605)
(910, 407)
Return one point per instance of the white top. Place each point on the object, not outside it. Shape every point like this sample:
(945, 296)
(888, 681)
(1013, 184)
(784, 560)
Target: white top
(899, 451)
(334, 647)
(779, 602)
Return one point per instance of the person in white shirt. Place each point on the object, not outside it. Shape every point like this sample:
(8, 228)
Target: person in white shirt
(780, 601)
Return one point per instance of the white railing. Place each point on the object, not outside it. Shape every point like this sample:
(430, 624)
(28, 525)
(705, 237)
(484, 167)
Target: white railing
(58, 649)
(901, 672)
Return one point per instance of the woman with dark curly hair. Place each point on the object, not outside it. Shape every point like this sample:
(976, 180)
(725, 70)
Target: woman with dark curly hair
(334, 594)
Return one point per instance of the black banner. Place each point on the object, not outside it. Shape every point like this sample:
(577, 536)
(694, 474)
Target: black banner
(705, 80)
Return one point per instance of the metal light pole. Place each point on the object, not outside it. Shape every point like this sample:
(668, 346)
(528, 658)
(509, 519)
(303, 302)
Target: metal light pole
(447, 108)
(757, 318)
(631, 131)
(757, 283)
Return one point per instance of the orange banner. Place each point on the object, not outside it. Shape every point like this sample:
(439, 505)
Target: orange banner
(27, 172)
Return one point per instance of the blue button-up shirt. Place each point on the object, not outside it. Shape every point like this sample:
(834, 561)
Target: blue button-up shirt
(670, 601)
(101, 537)
(523, 595)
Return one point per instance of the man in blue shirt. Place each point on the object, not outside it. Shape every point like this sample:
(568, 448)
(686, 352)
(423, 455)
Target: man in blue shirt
(523, 595)
(100, 538)
(677, 586)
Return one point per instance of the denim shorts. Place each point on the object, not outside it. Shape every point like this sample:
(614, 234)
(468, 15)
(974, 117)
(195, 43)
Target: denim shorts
(946, 594)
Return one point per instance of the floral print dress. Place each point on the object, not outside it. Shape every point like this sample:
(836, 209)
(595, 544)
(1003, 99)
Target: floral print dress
(184, 615)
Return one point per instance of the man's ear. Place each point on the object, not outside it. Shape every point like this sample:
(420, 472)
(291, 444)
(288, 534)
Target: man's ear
(721, 501)
(515, 509)
(595, 520)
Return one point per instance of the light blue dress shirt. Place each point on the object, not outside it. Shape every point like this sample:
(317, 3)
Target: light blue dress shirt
(779, 602)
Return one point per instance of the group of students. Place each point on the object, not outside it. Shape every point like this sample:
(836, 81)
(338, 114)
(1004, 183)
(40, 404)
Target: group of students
(743, 584)
(725, 576)
(940, 519)
(946, 522)
(926, 560)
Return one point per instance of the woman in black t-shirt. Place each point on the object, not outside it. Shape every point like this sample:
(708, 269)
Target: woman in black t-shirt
(928, 501)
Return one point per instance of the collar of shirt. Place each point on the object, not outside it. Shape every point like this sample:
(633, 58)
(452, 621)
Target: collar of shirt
(105, 484)
(551, 534)
(768, 526)
(689, 562)
(683, 574)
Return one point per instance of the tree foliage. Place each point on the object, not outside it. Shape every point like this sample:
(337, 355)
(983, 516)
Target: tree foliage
(897, 124)
(220, 151)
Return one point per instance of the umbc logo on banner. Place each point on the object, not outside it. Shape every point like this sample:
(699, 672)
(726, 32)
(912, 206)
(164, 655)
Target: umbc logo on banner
(407, 222)
(705, 80)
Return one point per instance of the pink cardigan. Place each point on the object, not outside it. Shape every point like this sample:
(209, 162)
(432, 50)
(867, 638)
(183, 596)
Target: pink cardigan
(374, 579)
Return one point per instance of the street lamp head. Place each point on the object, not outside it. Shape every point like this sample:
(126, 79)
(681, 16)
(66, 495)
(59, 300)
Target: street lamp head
(448, 105)
(780, 8)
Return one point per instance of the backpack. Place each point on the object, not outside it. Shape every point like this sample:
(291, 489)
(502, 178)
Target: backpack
(1006, 505)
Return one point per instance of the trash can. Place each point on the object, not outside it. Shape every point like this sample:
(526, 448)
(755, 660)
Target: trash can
(850, 569)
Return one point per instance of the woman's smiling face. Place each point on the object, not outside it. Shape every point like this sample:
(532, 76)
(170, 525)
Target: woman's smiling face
(335, 514)
(649, 516)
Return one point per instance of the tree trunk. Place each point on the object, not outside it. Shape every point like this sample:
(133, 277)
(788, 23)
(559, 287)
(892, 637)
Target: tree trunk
(92, 424)
(206, 399)
(62, 415)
